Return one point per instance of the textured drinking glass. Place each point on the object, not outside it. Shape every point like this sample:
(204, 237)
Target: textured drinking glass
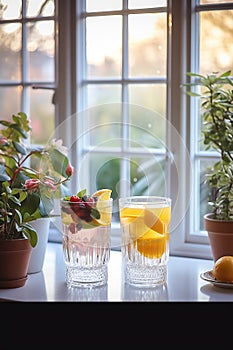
(86, 244)
(145, 232)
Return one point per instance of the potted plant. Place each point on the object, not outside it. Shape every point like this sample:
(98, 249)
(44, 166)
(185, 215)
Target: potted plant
(27, 193)
(216, 101)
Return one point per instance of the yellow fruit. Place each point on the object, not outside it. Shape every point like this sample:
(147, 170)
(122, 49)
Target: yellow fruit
(146, 229)
(104, 209)
(103, 194)
(138, 221)
(223, 269)
(133, 221)
(152, 244)
(153, 221)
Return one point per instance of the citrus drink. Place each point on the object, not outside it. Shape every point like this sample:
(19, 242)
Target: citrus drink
(86, 225)
(145, 230)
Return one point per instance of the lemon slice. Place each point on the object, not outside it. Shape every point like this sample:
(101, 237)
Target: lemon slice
(103, 207)
(103, 194)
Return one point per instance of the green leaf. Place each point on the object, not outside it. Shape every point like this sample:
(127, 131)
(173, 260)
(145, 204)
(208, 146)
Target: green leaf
(31, 234)
(4, 177)
(22, 196)
(22, 132)
(81, 193)
(15, 200)
(5, 123)
(30, 204)
(95, 213)
(18, 217)
(19, 148)
(59, 162)
(46, 205)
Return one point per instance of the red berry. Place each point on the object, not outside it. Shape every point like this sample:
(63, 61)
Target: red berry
(75, 199)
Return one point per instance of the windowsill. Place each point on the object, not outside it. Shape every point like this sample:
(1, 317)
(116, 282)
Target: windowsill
(183, 283)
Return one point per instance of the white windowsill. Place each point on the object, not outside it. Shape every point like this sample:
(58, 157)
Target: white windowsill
(183, 283)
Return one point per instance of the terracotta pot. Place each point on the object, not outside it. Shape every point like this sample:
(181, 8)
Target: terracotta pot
(36, 262)
(14, 259)
(220, 233)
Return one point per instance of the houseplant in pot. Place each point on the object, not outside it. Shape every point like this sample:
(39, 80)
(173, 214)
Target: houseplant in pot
(216, 101)
(26, 194)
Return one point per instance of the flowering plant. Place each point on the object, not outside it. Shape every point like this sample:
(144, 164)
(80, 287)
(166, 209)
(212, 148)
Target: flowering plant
(27, 191)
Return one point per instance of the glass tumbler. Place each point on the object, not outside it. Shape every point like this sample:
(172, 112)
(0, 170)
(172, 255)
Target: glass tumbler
(86, 243)
(145, 232)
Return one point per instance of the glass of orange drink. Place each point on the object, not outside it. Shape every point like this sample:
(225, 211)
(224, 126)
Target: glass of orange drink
(145, 233)
(86, 226)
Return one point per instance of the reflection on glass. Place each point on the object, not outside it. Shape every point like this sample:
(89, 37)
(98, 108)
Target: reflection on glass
(38, 289)
(157, 293)
(104, 46)
(147, 175)
(88, 294)
(147, 47)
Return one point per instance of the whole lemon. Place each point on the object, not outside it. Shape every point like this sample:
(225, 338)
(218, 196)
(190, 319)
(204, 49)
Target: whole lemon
(223, 269)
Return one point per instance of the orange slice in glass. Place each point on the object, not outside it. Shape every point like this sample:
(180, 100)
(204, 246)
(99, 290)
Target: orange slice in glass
(151, 245)
(153, 222)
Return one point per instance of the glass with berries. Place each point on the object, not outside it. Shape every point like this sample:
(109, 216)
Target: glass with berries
(86, 226)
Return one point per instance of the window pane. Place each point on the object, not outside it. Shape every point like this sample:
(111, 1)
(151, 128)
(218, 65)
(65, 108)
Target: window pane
(105, 173)
(104, 46)
(216, 55)
(147, 176)
(103, 124)
(10, 46)
(10, 9)
(147, 128)
(99, 94)
(40, 8)
(41, 115)
(12, 94)
(41, 50)
(103, 5)
(150, 96)
(213, 1)
(147, 45)
(146, 3)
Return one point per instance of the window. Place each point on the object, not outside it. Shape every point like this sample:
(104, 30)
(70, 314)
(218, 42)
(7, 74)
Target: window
(27, 76)
(117, 69)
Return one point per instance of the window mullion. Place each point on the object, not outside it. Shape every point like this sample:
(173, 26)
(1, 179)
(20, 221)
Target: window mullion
(125, 164)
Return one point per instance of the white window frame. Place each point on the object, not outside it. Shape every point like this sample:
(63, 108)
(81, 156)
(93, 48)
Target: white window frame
(182, 57)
